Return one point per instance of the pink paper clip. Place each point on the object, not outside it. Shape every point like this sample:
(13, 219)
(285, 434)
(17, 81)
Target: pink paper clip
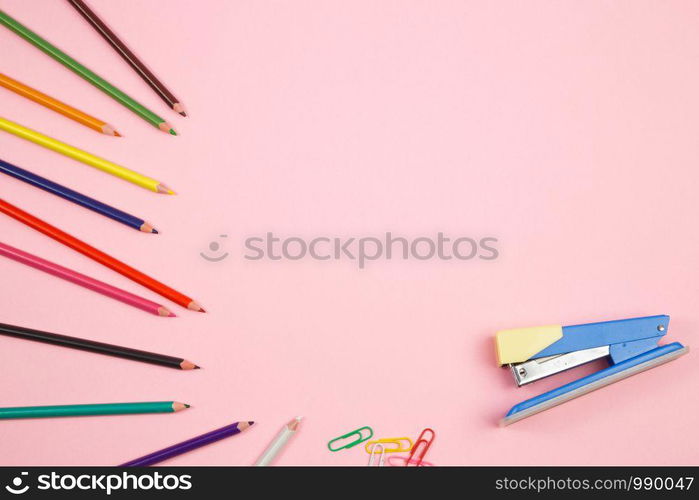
(421, 444)
(396, 461)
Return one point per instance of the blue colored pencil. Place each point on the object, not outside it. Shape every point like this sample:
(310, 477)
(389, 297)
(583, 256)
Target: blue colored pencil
(75, 197)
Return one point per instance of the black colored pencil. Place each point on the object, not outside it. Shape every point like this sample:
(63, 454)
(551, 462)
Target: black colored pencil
(128, 56)
(97, 347)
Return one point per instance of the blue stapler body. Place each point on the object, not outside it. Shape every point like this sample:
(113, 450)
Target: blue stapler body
(630, 346)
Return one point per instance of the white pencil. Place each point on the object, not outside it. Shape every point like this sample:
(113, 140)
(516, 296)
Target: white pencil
(279, 442)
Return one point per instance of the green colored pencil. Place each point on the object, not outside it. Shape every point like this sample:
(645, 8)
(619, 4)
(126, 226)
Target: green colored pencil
(86, 73)
(96, 409)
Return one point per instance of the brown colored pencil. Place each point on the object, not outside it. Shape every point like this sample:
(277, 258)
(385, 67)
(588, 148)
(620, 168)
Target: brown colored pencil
(128, 56)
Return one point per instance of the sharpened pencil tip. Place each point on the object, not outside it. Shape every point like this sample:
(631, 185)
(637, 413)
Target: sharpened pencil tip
(109, 130)
(194, 306)
(163, 189)
(187, 406)
(164, 311)
(146, 227)
(197, 367)
(250, 422)
(166, 127)
(179, 108)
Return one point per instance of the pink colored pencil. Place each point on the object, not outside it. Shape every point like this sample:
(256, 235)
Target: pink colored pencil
(82, 280)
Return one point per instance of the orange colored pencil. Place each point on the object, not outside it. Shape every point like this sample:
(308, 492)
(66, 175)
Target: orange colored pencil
(57, 106)
(98, 256)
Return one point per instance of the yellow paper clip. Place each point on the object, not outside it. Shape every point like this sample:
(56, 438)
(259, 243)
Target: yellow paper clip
(363, 433)
(373, 454)
(401, 444)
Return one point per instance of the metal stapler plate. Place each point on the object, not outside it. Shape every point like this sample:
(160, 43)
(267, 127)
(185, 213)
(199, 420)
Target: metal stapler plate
(536, 369)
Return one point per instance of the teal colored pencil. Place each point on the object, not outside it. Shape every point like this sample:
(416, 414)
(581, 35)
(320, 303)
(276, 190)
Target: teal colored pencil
(95, 409)
(51, 50)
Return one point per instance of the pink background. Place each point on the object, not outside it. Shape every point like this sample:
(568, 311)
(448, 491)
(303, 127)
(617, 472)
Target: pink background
(568, 130)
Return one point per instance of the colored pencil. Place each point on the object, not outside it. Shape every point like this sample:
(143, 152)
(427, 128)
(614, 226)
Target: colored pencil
(91, 410)
(96, 347)
(84, 157)
(128, 56)
(279, 442)
(57, 106)
(75, 197)
(85, 281)
(98, 256)
(189, 445)
(84, 72)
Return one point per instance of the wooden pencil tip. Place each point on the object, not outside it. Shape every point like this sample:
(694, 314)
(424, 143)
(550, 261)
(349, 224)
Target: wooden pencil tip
(187, 406)
(251, 422)
(197, 367)
(163, 189)
(148, 228)
(178, 107)
(194, 306)
(244, 425)
(107, 129)
(166, 127)
(165, 312)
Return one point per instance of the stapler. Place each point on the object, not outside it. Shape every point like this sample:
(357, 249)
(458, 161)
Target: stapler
(630, 346)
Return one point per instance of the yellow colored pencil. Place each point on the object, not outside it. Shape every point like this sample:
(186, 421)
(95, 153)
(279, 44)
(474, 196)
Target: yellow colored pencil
(84, 157)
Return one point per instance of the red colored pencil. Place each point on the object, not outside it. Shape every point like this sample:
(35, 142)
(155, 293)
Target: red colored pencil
(98, 256)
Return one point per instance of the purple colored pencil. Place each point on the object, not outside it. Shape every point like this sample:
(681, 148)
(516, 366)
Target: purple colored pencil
(189, 445)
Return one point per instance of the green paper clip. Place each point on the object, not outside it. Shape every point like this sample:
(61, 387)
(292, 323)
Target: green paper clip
(360, 438)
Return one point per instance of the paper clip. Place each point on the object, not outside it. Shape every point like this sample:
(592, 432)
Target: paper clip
(421, 442)
(357, 432)
(373, 453)
(402, 444)
(396, 461)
